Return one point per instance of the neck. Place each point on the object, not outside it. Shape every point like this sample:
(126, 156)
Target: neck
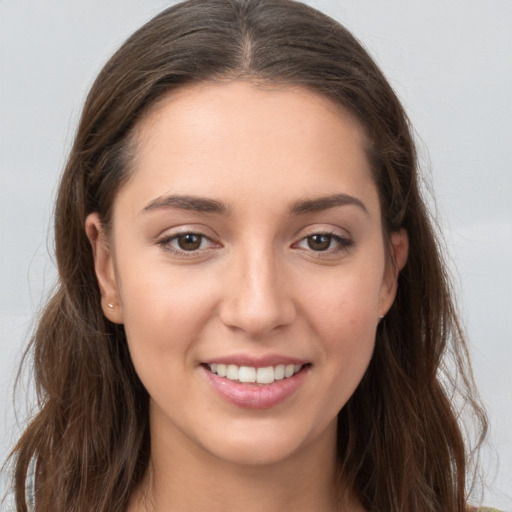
(184, 477)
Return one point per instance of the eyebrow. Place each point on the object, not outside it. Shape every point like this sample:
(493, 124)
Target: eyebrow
(205, 205)
(324, 203)
(193, 203)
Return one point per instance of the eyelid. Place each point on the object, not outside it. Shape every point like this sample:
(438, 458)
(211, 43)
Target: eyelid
(344, 241)
(164, 240)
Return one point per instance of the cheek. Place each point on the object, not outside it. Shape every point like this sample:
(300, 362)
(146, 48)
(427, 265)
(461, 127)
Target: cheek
(345, 317)
(347, 302)
(163, 310)
(165, 316)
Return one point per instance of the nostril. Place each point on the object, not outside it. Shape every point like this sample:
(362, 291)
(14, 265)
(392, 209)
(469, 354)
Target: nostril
(257, 318)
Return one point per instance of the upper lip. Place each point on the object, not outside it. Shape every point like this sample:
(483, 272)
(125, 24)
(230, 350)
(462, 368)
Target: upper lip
(256, 361)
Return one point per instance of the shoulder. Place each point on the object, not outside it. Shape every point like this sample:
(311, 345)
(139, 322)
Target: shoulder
(482, 509)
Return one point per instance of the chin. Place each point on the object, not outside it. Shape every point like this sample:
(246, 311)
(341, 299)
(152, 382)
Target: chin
(264, 444)
(250, 454)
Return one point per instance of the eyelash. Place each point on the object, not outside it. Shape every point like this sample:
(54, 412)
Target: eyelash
(343, 243)
(166, 244)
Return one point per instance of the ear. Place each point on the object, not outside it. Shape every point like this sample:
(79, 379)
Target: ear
(396, 261)
(104, 268)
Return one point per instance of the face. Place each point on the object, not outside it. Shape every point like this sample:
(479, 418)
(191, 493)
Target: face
(248, 267)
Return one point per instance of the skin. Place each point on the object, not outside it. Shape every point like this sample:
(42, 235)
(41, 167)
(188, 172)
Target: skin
(257, 284)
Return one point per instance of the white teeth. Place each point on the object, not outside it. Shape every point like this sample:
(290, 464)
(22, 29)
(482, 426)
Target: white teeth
(289, 370)
(279, 372)
(250, 374)
(232, 372)
(247, 374)
(265, 375)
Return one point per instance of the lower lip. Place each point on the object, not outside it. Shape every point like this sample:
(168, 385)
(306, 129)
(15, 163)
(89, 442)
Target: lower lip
(256, 396)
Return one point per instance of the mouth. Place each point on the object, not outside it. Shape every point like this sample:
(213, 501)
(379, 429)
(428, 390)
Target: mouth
(256, 387)
(255, 375)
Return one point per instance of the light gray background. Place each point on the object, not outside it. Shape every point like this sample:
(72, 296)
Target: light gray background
(451, 64)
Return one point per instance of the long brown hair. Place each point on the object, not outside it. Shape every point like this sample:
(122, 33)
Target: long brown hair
(400, 447)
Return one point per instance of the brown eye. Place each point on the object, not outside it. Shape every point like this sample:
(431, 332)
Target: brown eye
(319, 242)
(189, 241)
(188, 244)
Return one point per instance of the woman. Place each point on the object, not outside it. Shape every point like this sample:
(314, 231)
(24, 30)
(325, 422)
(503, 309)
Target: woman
(252, 311)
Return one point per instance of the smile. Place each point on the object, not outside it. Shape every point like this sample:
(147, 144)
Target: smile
(252, 374)
(255, 387)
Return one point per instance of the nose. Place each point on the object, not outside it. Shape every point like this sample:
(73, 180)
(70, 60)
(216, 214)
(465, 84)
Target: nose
(256, 297)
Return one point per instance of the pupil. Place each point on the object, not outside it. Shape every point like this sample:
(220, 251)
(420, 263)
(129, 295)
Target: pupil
(319, 242)
(189, 242)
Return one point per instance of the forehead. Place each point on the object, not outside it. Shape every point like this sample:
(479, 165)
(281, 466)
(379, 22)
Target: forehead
(213, 139)
(253, 107)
